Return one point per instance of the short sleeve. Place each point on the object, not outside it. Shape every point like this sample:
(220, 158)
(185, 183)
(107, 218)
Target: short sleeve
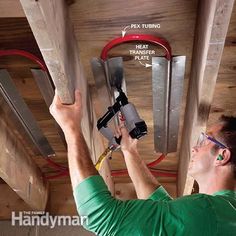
(160, 194)
(109, 216)
(158, 215)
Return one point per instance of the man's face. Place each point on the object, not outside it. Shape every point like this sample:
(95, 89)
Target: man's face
(202, 158)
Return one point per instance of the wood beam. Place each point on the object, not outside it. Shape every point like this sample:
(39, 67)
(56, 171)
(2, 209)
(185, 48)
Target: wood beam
(19, 171)
(11, 8)
(9, 202)
(61, 200)
(53, 31)
(211, 29)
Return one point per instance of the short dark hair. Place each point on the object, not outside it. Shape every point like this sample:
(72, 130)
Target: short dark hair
(227, 135)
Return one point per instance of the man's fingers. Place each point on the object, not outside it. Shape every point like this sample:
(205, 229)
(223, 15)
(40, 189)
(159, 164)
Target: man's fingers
(56, 100)
(135, 141)
(78, 97)
(124, 131)
(54, 104)
(121, 118)
(117, 132)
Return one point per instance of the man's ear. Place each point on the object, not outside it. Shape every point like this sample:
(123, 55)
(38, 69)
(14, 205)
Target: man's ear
(223, 157)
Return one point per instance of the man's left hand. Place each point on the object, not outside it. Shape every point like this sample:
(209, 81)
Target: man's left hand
(67, 116)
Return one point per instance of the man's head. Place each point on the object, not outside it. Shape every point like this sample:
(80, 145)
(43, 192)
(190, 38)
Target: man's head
(216, 150)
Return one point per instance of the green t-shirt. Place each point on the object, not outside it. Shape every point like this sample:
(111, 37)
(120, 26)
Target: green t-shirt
(197, 214)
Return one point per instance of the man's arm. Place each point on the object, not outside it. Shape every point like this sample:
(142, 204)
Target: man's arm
(106, 215)
(109, 216)
(80, 164)
(69, 118)
(144, 182)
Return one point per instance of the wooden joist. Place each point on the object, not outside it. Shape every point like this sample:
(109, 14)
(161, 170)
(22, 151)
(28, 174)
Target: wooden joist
(9, 202)
(211, 29)
(11, 8)
(19, 171)
(54, 34)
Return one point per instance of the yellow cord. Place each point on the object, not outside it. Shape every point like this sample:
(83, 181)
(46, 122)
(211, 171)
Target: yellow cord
(102, 158)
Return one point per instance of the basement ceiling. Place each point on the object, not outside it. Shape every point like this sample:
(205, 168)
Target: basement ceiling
(95, 24)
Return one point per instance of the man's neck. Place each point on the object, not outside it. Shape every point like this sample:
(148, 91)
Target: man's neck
(215, 183)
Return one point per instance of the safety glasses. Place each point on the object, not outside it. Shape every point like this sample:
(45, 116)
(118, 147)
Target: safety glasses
(204, 137)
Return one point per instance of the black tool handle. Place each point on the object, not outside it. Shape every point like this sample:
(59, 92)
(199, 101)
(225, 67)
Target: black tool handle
(118, 140)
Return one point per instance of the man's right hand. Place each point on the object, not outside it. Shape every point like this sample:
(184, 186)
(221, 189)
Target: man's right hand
(144, 182)
(127, 144)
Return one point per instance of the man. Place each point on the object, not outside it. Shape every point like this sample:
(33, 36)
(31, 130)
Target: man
(213, 212)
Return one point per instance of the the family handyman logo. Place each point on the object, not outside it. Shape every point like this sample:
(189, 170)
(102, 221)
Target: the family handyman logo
(25, 218)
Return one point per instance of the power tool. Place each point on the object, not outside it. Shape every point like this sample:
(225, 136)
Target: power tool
(134, 124)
